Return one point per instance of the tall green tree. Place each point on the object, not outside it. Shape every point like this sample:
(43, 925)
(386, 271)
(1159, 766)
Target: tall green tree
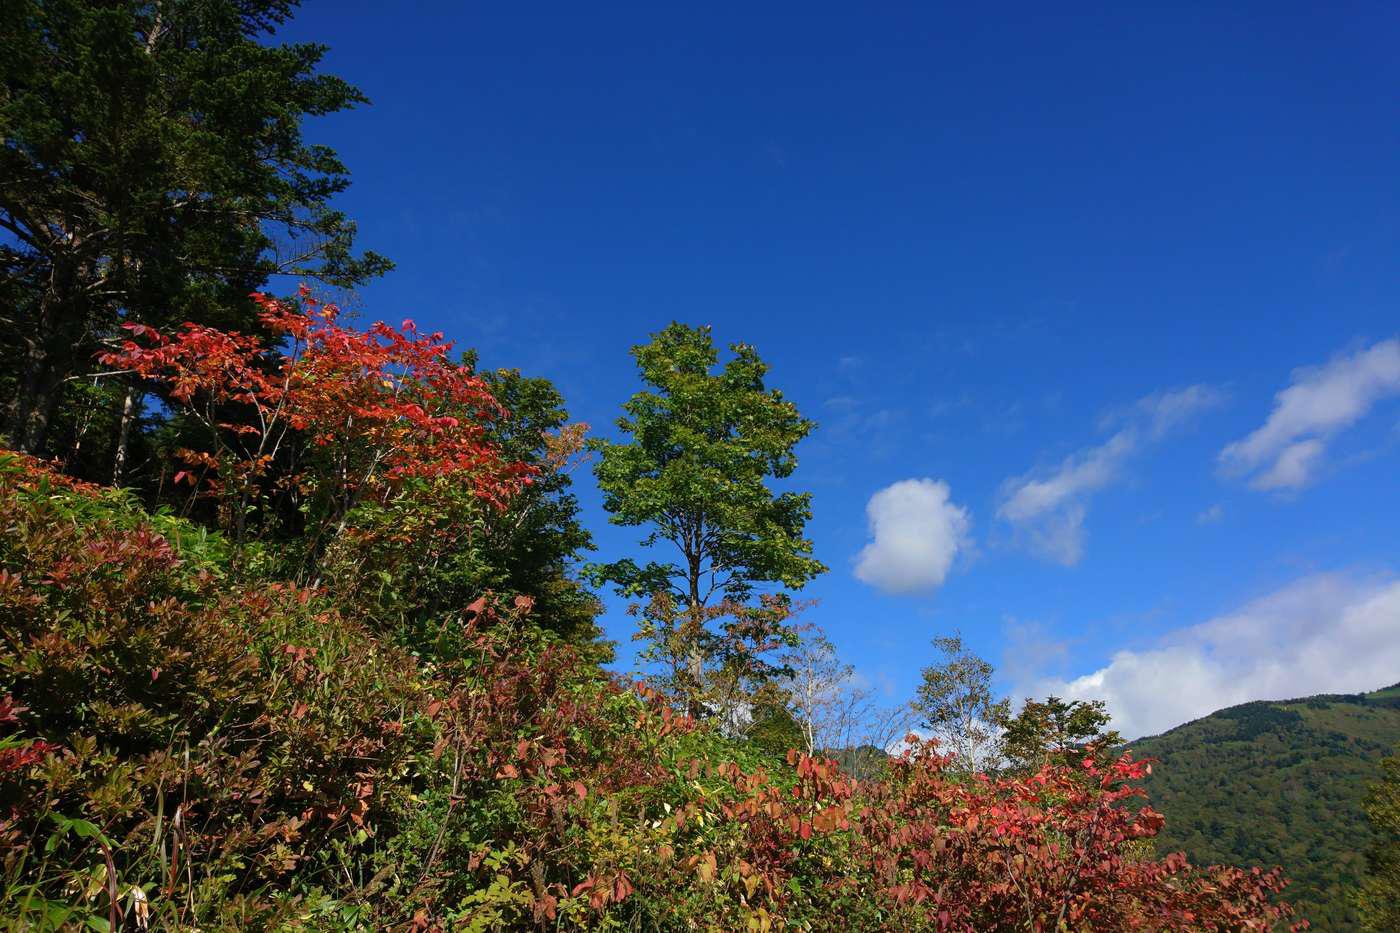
(704, 441)
(1378, 899)
(153, 171)
(956, 704)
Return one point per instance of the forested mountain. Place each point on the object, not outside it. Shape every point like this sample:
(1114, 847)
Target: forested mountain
(1278, 783)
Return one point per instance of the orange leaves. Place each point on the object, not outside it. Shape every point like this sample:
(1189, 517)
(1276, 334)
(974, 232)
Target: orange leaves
(830, 819)
(567, 449)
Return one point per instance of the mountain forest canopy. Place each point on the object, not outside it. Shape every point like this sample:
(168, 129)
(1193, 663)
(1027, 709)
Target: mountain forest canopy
(1281, 783)
(299, 615)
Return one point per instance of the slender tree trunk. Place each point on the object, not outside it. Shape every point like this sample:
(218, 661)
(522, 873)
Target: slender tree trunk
(695, 661)
(124, 435)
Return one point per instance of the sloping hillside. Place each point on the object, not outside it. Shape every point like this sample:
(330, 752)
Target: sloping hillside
(1278, 783)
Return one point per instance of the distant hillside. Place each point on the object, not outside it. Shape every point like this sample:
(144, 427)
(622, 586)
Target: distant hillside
(1278, 783)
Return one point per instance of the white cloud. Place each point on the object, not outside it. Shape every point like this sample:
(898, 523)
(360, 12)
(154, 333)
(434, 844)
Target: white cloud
(1285, 451)
(917, 530)
(1328, 633)
(1163, 412)
(1048, 508)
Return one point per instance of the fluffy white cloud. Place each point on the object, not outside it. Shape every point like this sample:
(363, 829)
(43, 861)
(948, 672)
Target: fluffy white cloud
(1285, 451)
(917, 530)
(1048, 508)
(1328, 633)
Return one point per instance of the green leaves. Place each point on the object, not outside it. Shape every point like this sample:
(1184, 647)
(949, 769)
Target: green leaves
(1057, 730)
(703, 446)
(1378, 899)
(956, 702)
(82, 829)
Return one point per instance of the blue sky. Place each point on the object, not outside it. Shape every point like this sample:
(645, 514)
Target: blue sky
(1040, 277)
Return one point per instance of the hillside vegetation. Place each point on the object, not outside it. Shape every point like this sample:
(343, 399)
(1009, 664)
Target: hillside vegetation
(1279, 783)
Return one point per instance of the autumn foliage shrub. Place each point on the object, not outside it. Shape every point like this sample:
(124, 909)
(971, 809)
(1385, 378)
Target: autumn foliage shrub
(319, 415)
(219, 735)
(248, 755)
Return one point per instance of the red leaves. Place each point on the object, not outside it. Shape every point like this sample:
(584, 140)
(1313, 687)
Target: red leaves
(10, 710)
(1000, 838)
(385, 404)
(983, 853)
(602, 892)
(17, 757)
(561, 776)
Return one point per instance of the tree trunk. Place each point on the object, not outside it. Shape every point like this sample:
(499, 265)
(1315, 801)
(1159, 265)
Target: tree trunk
(696, 661)
(124, 435)
(51, 357)
(39, 390)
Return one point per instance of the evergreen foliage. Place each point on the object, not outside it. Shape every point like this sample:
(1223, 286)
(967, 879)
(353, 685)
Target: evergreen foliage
(153, 171)
(1056, 730)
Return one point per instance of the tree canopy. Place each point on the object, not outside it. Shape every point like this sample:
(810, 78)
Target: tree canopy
(955, 702)
(154, 171)
(1056, 730)
(703, 444)
(704, 441)
(1378, 899)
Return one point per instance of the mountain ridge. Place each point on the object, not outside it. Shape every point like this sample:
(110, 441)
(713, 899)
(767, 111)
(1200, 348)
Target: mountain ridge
(1278, 782)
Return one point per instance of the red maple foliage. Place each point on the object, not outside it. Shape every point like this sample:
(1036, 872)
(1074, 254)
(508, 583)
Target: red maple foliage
(371, 408)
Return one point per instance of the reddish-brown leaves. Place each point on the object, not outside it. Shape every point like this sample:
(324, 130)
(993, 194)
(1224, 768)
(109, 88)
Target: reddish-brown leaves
(376, 406)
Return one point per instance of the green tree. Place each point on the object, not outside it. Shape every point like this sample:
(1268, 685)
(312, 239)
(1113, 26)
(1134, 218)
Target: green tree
(704, 441)
(770, 724)
(420, 555)
(1055, 731)
(536, 544)
(153, 171)
(1378, 899)
(956, 704)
